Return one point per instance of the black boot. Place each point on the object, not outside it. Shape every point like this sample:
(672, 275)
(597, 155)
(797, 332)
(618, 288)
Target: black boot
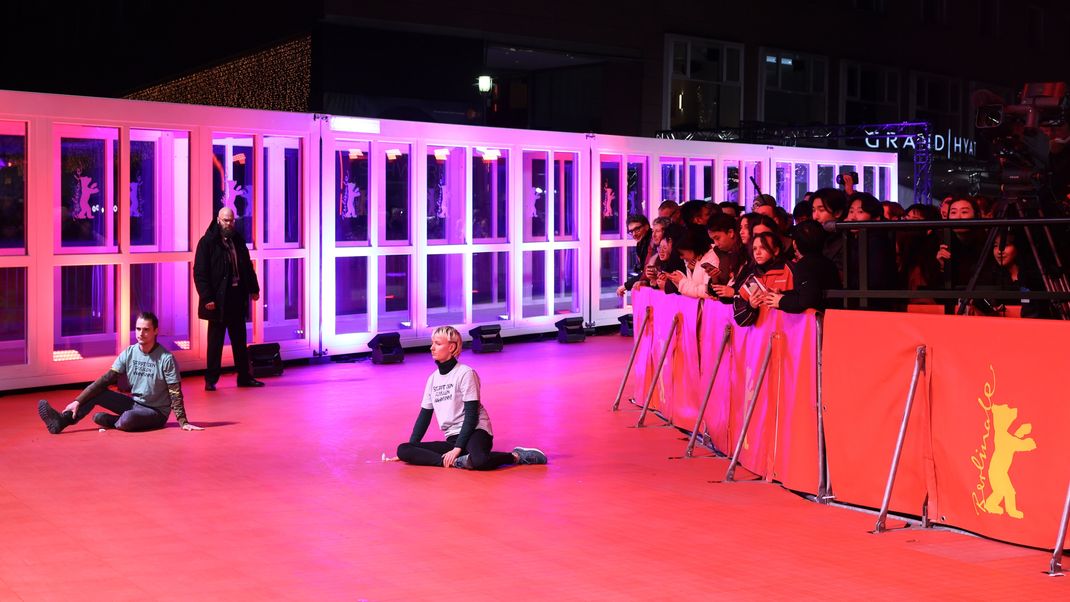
(54, 421)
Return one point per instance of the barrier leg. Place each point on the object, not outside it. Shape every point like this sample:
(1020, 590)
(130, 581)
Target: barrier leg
(919, 365)
(657, 373)
(731, 474)
(824, 490)
(631, 360)
(709, 390)
(1056, 568)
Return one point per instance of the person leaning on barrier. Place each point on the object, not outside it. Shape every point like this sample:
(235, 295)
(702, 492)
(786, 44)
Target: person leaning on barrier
(724, 233)
(813, 274)
(1014, 271)
(700, 263)
(767, 273)
(650, 267)
(958, 256)
(669, 260)
(639, 228)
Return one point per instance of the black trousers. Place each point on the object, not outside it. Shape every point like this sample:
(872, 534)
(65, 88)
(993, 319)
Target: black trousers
(233, 322)
(132, 415)
(478, 449)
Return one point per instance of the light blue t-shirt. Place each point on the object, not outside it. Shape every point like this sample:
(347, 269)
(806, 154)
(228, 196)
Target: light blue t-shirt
(149, 374)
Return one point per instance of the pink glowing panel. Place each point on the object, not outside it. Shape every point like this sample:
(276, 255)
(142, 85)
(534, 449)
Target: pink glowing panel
(351, 295)
(752, 180)
(565, 196)
(351, 193)
(700, 179)
(395, 203)
(535, 191)
(233, 168)
(731, 181)
(163, 289)
(446, 215)
(611, 276)
(12, 316)
(638, 188)
(534, 286)
(490, 195)
(672, 179)
(395, 306)
(12, 188)
(490, 287)
(783, 185)
(445, 289)
(85, 310)
(566, 280)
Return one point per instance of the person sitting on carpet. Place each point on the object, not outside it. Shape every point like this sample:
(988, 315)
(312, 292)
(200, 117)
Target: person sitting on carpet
(155, 385)
(452, 395)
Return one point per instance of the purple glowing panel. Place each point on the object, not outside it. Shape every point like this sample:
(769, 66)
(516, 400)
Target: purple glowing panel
(783, 185)
(700, 174)
(85, 313)
(12, 188)
(490, 287)
(802, 182)
(232, 180)
(566, 274)
(534, 289)
(609, 198)
(282, 192)
(351, 295)
(869, 181)
(163, 289)
(826, 176)
(12, 316)
(637, 187)
(611, 277)
(395, 309)
(886, 183)
(535, 190)
(672, 179)
(283, 298)
(565, 195)
(445, 195)
(490, 195)
(396, 206)
(731, 182)
(445, 290)
(752, 180)
(351, 194)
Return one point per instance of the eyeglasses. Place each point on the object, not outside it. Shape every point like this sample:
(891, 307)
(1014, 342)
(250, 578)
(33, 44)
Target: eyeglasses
(634, 230)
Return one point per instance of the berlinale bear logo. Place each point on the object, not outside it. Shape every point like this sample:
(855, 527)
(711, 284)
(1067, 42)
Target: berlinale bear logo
(994, 464)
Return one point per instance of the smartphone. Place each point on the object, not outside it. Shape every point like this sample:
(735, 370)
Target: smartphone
(706, 265)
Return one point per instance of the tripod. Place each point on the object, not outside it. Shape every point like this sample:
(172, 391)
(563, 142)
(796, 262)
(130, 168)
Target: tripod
(1053, 282)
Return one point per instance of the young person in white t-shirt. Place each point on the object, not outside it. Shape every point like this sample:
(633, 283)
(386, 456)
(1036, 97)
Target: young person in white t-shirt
(452, 395)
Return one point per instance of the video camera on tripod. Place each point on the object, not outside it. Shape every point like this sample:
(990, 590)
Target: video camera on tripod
(1029, 172)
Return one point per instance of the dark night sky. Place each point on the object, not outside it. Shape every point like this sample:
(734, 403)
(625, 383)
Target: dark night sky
(107, 48)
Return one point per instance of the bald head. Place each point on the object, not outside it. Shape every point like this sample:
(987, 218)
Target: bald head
(225, 219)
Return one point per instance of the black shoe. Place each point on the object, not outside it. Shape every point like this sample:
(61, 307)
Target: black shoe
(251, 382)
(209, 386)
(54, 421)
(105, 420)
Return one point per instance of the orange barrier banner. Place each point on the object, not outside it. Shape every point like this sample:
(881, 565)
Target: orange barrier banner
(987, 443)
(781, 443)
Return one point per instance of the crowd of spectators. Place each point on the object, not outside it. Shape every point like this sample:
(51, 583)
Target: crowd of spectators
(770, 257)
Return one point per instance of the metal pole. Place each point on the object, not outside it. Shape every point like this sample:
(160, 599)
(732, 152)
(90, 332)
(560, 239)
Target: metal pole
(730, 475)
(824, 492)
(706, 400)
(1056, 568)
(657, 373)
(919, 365)
(631, 360)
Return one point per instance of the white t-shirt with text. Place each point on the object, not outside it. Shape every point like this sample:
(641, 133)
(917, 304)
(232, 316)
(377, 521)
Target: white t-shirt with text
(446, 394)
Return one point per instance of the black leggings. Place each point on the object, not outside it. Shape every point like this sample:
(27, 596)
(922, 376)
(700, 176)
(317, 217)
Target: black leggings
(479, 452)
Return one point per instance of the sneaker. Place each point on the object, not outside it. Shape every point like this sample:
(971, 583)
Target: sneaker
(105, 420)
(462, 462)
(529, 455)
(54, 421)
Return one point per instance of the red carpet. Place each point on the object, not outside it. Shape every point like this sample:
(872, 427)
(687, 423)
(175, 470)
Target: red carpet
(284, 497)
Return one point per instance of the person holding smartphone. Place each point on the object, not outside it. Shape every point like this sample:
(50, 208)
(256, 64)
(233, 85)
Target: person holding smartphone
(699, 260)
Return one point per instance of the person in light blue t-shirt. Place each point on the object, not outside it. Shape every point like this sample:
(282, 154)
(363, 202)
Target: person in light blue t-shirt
(452, 395)
(155, 389)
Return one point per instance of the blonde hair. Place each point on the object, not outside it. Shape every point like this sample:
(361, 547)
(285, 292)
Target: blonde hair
(451, 335)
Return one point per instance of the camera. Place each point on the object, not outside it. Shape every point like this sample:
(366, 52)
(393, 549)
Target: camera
(854, 178)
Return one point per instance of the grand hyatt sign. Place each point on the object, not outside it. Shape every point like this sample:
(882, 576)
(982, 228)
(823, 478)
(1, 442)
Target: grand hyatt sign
(946, 144)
